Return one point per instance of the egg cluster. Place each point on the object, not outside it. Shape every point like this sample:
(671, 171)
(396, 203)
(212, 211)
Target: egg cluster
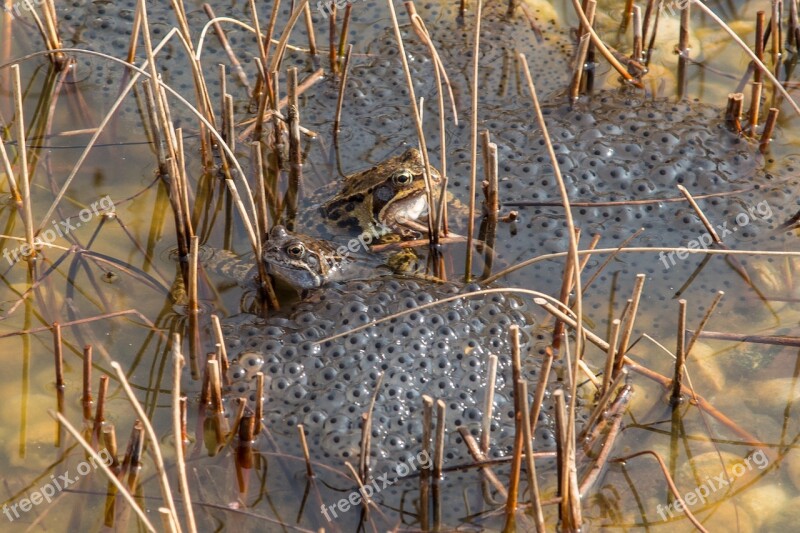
(440, 351)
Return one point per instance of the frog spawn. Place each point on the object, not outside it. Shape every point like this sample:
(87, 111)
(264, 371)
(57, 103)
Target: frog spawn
(441, 352)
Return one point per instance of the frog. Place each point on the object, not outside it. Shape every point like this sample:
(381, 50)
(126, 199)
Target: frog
(386, 199)
(301, 261)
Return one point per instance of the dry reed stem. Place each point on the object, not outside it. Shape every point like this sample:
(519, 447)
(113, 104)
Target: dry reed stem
(759, 45)
(106, 470)
(562, 454)
(775, 30)
(709, 227)
(769, 126)
(438, 457)
(194, 305)
(86, 397)
(58, 356)
(99, 417)
(365, 499)
(670, 483)
(219, 339)
(259, 407)
(629, 321)
(733, 112)
(758, 63)
(567, 280)
(223, 40)
(22, 151)
(348, 9)
(519, 400)
(703, 322)
(342, 85)
(205, 388)
(110, 443)
(530, 463)
(178, 432)
(617, 409)
(262, 205)
(12, 181)
(488, 404)
(755, 106)
(583, 48)
(366, 437)
(262, 51)
(241, 407)
(473, 165)
(609, 367)
(573, 244)
(294, 189)
(608, 259)
(415, 113)
(332, 39)
(573, 506)
(166, 519)
(541, 387)
(427, 422)
(230, 123)
(440, 74)
(601, 406)
(638, 43)
(154, 448)
(776, 340)
(598, 43)
(476, 454)
(312, 40)
(422, 32)
(58, 351)
(680, 354)
(306, 454)
(648, 11)
(273, 17)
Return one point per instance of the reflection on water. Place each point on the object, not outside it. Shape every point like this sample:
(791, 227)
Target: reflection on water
(115, 288)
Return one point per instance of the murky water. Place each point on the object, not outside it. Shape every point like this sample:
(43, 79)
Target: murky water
(612, 146)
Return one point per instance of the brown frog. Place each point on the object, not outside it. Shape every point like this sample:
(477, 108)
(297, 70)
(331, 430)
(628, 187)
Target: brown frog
(387, 198)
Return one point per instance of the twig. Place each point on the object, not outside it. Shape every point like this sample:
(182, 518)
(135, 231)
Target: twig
(312, 40)
(628, 330)
(583, 48)
(438, 458)
(342, 85)
(769, 126)
(98, 461)
(177, 431)
(488, 404)
(703, 322)
(755, 105)
(22, 151)
(223, 40)
(473, 166)
(306, 454)
(680, 354)
(166, 492)
(671, 484)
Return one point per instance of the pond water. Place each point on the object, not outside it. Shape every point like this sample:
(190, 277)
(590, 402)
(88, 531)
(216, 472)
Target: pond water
(114, 289)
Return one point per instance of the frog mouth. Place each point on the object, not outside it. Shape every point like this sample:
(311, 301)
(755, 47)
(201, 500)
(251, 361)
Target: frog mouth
(405, 212)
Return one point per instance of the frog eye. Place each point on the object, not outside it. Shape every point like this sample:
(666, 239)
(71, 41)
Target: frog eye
(403, 177)
(296, 250)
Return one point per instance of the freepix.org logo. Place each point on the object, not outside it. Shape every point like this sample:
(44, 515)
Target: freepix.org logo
(60, 229)
(48, 490)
